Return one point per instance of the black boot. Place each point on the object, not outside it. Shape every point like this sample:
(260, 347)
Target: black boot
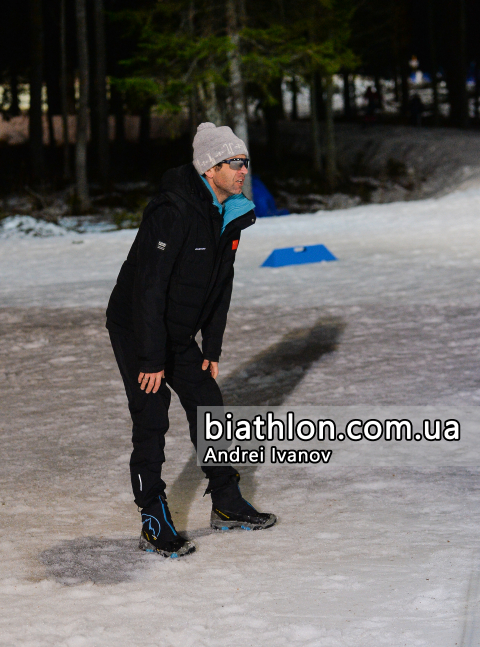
(230, 510)
(159, 534)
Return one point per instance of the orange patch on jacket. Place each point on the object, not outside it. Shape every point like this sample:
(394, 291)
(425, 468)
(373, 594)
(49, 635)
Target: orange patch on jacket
(234, 244)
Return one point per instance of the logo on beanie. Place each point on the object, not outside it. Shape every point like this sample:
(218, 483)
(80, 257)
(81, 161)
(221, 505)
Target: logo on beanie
(213, 144)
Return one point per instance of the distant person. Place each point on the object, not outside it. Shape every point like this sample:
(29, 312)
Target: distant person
(416, 109)
(177, 281)
(373, 104)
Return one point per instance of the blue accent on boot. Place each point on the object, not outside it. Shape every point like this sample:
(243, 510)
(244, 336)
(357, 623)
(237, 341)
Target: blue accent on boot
(165, 516)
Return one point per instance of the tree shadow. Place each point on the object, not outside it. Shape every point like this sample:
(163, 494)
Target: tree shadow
(270, 377)
(267, 379)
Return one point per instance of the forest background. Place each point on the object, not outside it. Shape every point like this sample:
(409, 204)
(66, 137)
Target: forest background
(76, 70)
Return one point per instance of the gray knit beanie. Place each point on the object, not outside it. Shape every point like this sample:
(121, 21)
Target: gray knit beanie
(212, 145)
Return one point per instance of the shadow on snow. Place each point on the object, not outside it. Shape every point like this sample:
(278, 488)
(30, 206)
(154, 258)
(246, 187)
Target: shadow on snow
(267, 379)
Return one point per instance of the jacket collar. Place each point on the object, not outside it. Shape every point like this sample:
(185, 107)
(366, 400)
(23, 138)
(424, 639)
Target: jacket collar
(184, 185)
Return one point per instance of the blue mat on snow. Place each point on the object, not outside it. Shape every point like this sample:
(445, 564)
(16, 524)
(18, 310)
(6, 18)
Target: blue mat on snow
(298, 256)
(264, 201)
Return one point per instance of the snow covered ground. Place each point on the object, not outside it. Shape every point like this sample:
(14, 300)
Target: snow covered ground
(361, 556)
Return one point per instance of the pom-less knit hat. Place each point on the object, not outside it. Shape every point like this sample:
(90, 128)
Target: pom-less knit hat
(212, 145)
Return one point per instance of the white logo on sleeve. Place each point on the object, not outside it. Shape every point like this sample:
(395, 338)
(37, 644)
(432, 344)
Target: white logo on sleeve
(161, 245)
(200, 249)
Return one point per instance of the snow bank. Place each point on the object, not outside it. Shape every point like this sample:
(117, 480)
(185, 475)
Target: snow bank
(21, 226)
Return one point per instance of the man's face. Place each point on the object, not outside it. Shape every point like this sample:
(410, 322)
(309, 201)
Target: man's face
(226, 181)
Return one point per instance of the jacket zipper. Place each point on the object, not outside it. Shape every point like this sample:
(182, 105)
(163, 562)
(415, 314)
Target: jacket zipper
(208, 289)
(212, 231)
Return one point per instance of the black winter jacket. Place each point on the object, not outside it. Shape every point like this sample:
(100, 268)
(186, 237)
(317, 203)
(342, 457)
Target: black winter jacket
(178, 275)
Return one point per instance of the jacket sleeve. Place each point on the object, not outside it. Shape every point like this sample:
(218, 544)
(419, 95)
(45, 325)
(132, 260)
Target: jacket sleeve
(160, 239)
(212, 331)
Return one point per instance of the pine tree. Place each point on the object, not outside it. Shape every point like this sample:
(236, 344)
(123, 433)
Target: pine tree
(181, 49)
(188, 51)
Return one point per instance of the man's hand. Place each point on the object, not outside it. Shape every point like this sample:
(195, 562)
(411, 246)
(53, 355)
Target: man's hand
(150, 382)
(213, 367)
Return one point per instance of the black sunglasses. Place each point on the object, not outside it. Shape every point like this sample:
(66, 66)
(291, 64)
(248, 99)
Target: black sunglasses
(237, 163)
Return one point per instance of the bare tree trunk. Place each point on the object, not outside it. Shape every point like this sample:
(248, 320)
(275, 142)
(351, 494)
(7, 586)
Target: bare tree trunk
(63, 90)
(83, 198)
(193, 99)
(273, 113)
(36, 78)
(319, 100)
(71, 100)
(477, 92)
(405, 88)
(294, 113)
(192, 112)
(101, 90)
(117, 106)
(401, 40)
(462, 28)
(317, 149)
(116, 99)
(456, 69)
(331, 172)
(347, 108)
(396, 89)
(353, 97)
(379, 89)
(433, 57)
(145, 123)
(51, 132)
(239, 109)
(15, 104)
(208, 97)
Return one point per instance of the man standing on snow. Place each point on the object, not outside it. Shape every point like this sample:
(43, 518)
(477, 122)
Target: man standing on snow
(176, 281)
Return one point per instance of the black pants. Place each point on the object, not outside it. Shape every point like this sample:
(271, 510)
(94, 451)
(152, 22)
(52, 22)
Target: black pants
(194, 387)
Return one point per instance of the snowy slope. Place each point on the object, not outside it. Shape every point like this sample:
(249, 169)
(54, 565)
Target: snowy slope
(361, 555)
(423, 252)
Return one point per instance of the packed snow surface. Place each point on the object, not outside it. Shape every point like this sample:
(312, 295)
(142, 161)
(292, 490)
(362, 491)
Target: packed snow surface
(362, 555)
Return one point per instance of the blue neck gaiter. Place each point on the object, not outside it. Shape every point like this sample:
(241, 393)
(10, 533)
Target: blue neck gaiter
(233, 207)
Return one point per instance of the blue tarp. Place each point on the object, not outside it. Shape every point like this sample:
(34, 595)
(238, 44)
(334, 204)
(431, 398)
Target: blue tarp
(298, 256)
(264, 202)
